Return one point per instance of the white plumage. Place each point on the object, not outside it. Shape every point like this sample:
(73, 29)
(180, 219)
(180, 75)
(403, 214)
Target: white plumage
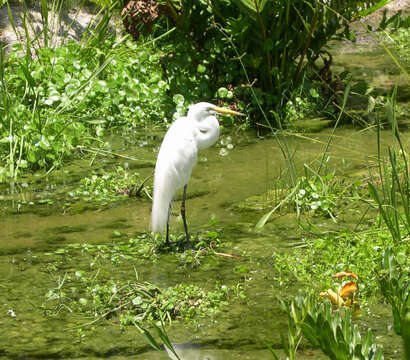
(178, 155)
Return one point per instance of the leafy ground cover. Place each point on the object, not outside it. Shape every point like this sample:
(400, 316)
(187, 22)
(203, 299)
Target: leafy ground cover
(133, 302)
(70, 96)
(264, 51)
(322, 257)
(93, 289)
(99, 190)
(110, 187)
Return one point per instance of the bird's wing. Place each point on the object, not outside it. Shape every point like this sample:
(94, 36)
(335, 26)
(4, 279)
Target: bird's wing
(178, 153)
(176, 158)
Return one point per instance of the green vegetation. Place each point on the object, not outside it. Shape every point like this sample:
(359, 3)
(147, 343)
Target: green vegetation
(110, 187)
(54, 99)
(360, 254)
(393, 199)
(266, 58)
(132, 302)
(315, 262)
(94, 291)
(141, 246)
(394, 277)
(332, 331)
(265, 52)
(69, 97)
(101, 189)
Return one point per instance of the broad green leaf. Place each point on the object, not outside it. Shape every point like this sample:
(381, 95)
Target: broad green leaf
(373, 8)
(27, 75)
(150, 338)
(262, 221)
(201, 68)
(178, 99)
(222, 92)
(313, 93)
(255, 6)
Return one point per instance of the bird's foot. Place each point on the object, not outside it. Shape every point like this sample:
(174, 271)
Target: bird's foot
(179, 245)
(189, 245)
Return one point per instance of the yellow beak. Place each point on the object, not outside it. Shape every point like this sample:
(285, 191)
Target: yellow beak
(221, 110)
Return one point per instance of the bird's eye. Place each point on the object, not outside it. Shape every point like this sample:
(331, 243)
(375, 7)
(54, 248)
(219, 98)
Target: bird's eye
(203, 131)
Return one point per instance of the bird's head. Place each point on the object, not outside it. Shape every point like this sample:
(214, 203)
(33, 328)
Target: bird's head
(202, 110)
(204, 124)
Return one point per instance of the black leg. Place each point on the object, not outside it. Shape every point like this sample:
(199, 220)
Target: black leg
(167, 236)
(188, 243)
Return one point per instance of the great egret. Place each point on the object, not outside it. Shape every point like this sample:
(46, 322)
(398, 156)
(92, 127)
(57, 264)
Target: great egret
(176, 158)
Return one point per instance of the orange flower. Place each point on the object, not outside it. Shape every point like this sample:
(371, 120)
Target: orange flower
(336, 299)
(342, 274)
(347, 289)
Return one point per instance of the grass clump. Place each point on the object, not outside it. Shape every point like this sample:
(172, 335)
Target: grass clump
(323, 195)
(312, 194)
(394, 282)
(92, 287)
(132, 302)
(333, 331)
(135, 302)
(110, 186)
(318, 260)
(142, 247)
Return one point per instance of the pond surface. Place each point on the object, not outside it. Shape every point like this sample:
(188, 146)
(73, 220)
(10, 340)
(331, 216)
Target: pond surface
(224, 176)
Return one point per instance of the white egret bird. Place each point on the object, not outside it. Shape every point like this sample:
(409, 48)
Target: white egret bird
(176, 158)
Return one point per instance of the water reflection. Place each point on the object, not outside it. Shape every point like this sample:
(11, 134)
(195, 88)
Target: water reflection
(189, 352)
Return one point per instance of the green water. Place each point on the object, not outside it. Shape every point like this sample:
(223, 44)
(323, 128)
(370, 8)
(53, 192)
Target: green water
(30, 234)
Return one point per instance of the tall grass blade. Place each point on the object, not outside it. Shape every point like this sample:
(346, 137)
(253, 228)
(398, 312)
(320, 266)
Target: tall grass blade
(165, 339)
(44, 19)
(393, 198)
(162, 334)
(264, 219)
(11, 19)
(149, 337)
(373, 8)
(345, 97)
(27, 75)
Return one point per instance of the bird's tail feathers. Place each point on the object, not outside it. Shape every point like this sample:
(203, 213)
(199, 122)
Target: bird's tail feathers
(160, 209)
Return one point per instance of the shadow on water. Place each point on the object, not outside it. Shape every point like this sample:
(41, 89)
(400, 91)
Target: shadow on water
(224, 176)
